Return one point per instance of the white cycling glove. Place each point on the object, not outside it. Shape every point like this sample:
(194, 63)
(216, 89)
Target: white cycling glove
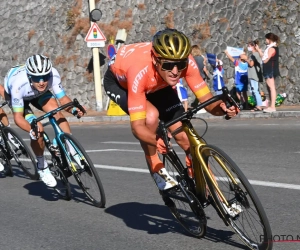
(32, 135)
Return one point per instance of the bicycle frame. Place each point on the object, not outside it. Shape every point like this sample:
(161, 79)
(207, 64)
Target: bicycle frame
(201, 170)
(59, 133)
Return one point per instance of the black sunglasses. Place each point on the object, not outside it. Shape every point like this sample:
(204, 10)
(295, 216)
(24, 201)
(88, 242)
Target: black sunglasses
(44, 78)
(181, 65)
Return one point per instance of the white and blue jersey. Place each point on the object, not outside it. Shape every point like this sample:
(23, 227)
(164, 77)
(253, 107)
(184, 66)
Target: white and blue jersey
(241, 73)
(17, 85)
(218, 81)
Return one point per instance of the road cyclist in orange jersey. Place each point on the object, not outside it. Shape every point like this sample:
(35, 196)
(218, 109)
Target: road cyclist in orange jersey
(140, 78)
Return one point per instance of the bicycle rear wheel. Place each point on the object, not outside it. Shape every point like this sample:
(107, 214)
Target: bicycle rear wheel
(7, 165)
(182, 203)
(86, 175)
(21, 153)
(251, 224)
(62, 188)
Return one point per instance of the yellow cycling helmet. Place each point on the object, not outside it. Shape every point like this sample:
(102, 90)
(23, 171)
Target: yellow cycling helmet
(171, 44)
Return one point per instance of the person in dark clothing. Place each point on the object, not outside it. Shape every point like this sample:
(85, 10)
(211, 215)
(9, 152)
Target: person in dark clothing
(201, 61)
(270, 58)
(255, 75)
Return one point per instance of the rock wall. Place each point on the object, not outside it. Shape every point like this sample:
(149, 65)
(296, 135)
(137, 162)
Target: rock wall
(57, 29)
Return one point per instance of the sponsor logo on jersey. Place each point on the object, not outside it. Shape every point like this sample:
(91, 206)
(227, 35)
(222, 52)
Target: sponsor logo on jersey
(137, 79)
(127, 53)
(16, 101)
(193, 64)
(136, 108)
(22, 85)
(173, 107)
(200, 85)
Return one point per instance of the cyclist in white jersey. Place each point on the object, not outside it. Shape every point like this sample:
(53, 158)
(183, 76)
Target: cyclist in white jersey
(31, 84)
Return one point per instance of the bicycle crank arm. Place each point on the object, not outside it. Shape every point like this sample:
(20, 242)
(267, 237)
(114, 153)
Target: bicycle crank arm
(191, 201)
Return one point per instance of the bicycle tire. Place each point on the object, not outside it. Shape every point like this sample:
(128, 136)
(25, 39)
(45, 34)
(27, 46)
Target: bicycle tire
(7, 164)
(191, 217)
(253, 217)
(62, 187)
(87, 177)
(22, 154)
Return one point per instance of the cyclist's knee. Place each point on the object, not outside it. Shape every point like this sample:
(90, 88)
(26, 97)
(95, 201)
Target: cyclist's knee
(152, 119)
(59, 117)
(181, 137)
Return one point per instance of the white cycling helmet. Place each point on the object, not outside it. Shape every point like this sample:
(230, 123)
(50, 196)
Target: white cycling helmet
(38, 65)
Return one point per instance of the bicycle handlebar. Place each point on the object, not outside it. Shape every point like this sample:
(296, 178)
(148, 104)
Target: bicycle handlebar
(225, 96)
(74, 103)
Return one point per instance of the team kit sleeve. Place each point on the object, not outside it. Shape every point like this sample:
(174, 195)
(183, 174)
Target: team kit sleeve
(137, 80)
(57, 88)
(194, 79)
(17, 102)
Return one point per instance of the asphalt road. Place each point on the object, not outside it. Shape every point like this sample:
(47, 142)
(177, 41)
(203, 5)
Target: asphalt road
(267, 151)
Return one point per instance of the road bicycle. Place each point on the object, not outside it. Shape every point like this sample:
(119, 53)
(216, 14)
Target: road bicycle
(217, 181)
(64, 163)
(14, 148)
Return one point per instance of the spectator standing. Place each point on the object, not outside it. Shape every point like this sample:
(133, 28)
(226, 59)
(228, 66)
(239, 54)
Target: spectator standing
(270, 58)
(255, 73)
(201, 60)
(241, 78)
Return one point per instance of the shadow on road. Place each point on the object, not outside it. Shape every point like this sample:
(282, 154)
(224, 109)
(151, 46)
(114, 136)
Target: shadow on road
(216, 236)
(157, 219)
(152, 218)
(38, 188)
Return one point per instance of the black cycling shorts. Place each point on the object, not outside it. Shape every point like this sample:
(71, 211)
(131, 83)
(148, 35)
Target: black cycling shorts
(165, 100)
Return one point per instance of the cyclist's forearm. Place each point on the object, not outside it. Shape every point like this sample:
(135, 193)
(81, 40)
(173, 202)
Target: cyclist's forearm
(143, 134)
(64, 100)
(22, 123)
(215, 109)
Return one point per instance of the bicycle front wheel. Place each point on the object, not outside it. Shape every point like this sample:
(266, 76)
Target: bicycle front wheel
(189, 214)
(245, 213)
(85, 173)
(21, 153)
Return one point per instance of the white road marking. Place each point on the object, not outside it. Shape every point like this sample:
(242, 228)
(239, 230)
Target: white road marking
(114, 149)
(129, 143)
(253, 182)
(120, 168)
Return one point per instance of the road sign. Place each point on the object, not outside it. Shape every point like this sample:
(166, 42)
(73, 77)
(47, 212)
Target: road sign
(95, 37)
(111, 50)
